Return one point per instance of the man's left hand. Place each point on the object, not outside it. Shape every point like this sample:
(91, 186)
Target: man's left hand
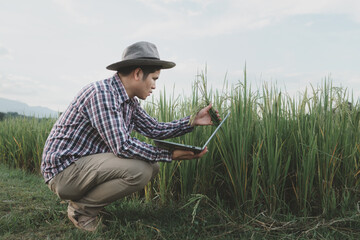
(203, 117)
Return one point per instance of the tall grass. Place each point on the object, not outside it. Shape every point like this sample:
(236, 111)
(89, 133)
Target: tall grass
(22, 141)
(276, 153)
(236, 146)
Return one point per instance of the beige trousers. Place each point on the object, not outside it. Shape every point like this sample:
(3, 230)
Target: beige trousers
(95, 181)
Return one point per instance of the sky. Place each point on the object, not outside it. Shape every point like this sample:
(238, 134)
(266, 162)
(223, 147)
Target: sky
(50, 49)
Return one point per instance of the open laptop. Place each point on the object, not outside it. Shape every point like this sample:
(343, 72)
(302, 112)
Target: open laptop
(173, 146)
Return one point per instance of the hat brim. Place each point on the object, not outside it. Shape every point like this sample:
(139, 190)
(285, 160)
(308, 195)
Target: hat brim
(141, 62)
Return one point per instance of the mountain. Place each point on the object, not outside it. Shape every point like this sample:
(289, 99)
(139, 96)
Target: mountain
(7, 105)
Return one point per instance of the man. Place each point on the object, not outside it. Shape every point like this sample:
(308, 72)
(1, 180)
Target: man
(90, 159)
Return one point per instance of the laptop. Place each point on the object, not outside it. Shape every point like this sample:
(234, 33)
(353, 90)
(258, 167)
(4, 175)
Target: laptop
(173, 146)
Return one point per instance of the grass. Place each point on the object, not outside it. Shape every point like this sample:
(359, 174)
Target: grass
(275, 154)
(29, 210)
(22, 141)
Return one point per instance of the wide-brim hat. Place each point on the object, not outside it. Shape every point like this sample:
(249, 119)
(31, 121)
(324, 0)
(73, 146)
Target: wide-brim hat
(141, 54)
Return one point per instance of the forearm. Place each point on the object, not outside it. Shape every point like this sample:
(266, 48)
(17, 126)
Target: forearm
(133, 148)
(158, 130)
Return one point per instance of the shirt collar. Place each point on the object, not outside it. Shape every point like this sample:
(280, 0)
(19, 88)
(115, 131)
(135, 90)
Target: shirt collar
(119, 85)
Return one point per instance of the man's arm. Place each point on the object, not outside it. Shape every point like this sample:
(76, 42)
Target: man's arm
(151, 128)
(107, 117)
(202, 118)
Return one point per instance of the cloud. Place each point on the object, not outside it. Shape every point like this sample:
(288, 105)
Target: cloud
(191, 18)
(188, 24)
(31, 91)
(39, 92)
(72, 8)
(247, 15)
(295, 82)
(16, 84)
(5, 52)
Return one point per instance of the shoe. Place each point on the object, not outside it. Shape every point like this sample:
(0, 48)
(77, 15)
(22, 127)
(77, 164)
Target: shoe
(86, 223)
(83, 222)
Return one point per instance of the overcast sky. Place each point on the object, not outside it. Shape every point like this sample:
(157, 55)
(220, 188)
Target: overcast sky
(50, 49)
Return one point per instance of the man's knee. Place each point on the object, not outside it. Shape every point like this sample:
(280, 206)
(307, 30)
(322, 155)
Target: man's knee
(145, 171)
(66, 184)
(67, 193)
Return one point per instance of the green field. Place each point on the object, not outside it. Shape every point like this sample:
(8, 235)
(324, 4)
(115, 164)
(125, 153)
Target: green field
(282, 158)
(28, 210)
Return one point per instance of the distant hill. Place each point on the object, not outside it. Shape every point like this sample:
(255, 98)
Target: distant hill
(7, 105)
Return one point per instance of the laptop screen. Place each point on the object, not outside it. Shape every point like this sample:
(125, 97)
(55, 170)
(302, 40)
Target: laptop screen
(212, 135)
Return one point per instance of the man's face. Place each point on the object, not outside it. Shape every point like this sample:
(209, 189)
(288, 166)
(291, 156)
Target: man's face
(147, 85)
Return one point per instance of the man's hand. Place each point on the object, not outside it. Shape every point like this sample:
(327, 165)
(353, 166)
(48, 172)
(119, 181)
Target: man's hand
(203, 117)
(187, 155)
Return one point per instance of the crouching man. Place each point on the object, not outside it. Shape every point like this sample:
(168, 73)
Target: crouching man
(90, 159)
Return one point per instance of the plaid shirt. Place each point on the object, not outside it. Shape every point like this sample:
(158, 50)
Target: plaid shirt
(100, 120)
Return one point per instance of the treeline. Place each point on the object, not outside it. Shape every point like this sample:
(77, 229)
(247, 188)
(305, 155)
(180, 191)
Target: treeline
(9, 114)
(4, 116)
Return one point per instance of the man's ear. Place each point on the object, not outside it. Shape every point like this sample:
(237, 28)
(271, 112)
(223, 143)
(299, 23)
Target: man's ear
(138, 74)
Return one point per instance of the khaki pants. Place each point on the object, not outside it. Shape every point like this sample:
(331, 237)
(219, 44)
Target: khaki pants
(95, 181)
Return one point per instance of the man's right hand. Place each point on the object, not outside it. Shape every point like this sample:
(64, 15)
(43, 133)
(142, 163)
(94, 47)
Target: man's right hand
(187, 155)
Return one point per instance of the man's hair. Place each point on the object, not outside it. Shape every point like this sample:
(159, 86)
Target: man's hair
(145, 69)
